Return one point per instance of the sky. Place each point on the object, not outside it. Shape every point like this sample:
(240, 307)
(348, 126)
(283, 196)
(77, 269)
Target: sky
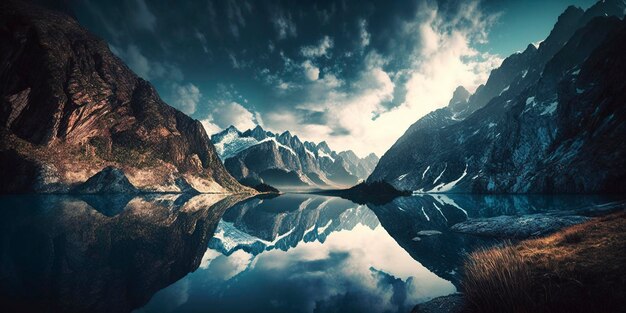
(355, 74)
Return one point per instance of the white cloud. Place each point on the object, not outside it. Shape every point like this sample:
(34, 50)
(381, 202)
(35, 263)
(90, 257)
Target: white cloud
(311, 72)
(447, 59)
(224, 114)
(186, 97)
(358, 118)
(284, 26)
(364, 36)
(321, 49)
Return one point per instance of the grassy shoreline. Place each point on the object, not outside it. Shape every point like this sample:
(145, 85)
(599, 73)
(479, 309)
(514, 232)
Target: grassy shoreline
(581, 268)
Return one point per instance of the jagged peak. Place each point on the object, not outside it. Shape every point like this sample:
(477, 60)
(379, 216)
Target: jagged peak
(606, 7)
(531, 47)
(231, 128)
(461, 93)
(371, 156)
(459, 99)
(349, 153)
(323, 145)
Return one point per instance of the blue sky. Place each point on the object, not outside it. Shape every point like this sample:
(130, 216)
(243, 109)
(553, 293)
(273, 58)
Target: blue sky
(353, 73)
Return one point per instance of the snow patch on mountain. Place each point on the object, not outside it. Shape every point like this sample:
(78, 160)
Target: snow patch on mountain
(278, 144)
(447, 187)
(323, 154)
(550, 108)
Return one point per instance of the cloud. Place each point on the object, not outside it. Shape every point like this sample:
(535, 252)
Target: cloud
(143, 17)
(233, 60)
(235, 13)
(284, 25)
(364, 36)
(311, 72)
(325, 15)
(186, 97)
(321, 49)
(447, 59)
(212, 17)
(224, 114)
(145, 68)
(370, 111)
(200, 36)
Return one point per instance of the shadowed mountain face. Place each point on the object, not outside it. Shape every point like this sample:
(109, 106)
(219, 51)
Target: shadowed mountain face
(259, 156)
(548, 120)
(67, 254)
(70, 108)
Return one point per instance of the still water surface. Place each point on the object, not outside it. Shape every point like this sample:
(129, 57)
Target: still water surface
(211, 253)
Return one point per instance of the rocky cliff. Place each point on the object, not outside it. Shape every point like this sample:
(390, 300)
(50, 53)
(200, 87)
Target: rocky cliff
(70, 108)
(553, 122)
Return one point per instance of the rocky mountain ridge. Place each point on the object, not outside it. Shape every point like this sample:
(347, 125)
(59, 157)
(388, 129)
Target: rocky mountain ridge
(553, 121)
(70, 108)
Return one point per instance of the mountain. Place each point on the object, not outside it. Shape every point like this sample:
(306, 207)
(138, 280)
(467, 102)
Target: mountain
(70, 108)
(256, 156)
(549, 120)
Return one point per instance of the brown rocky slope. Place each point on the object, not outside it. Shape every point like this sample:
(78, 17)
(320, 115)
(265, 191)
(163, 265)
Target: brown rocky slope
(70, 108)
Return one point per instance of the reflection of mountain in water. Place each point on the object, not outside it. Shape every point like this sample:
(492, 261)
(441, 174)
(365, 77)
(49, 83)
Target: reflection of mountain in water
(405, 217)
(258, 224)
(443, 254)
(59, 254)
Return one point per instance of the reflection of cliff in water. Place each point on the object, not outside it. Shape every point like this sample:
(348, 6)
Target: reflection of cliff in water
(100, 254)
(282, 222)
(444, 254)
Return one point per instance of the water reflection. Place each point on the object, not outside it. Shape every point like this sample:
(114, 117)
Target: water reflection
(291, 253)
(302, 253)
(405, 217)
(96, 254)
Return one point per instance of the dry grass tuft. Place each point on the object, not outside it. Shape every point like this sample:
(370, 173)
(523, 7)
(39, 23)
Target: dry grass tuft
(580, 269)
(497, 278)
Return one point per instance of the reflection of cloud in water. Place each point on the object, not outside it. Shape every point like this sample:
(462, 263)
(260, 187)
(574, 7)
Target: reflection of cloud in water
(354, 257)
(357, 270)
(226, 268)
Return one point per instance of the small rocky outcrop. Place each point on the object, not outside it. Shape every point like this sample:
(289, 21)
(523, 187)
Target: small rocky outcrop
(109, 180)
(534, 225)
(453, 303)
(517, 227)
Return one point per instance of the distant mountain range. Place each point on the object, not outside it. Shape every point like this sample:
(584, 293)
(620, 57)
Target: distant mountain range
(550, 119)
(71, 110)
(258, 156)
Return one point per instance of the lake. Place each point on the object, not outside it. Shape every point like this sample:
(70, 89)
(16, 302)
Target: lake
(216, 253)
